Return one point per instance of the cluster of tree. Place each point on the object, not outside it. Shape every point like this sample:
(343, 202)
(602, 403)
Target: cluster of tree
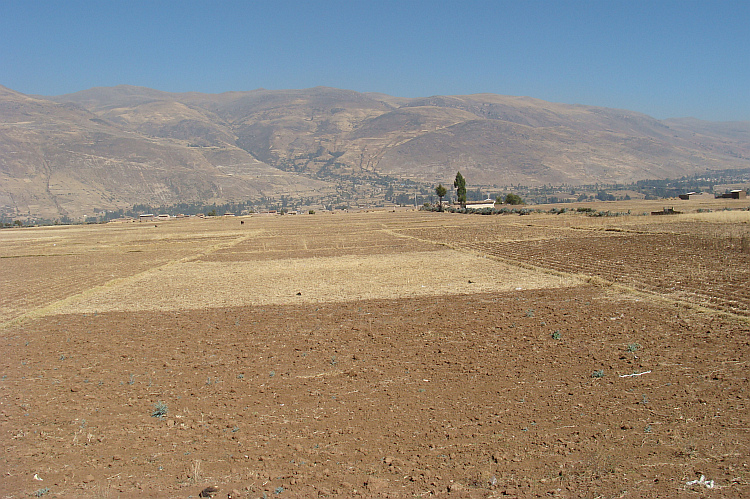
(460, 185)
(14, 223)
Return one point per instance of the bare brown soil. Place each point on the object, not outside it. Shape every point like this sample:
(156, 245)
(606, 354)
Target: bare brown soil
(425, 355)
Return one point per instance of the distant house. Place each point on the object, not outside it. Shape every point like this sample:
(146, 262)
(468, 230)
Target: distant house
(146, 217)
(478, 205)
(163, 216)
(695, 195)
(735, 194)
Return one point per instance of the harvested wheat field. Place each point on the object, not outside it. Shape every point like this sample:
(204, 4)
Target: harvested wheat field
(378, 355)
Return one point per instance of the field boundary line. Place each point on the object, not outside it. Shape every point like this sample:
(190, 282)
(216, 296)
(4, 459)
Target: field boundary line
(582, 278)
(511, 263)
(77, 297)
(622, 288)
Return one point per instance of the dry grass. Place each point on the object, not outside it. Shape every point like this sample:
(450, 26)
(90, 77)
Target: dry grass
(269, 260)
(720, 217)
(41, 266)
(195, 285)
(647, 206)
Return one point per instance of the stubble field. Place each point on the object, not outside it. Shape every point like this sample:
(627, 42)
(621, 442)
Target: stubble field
(378, 355)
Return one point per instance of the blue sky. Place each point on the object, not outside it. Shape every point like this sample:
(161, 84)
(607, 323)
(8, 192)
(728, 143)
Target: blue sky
(662, 58)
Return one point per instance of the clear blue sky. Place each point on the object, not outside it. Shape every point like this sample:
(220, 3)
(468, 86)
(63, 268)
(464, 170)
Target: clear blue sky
(663, 58)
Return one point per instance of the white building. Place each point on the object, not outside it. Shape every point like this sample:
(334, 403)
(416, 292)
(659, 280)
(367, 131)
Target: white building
(478, 205)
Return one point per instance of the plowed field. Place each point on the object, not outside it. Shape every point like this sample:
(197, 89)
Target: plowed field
(377, 355)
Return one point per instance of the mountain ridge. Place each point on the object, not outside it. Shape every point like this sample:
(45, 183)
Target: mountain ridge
(111, 147)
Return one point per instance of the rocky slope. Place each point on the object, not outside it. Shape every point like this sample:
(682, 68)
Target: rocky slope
(112, 147)
(63, 160)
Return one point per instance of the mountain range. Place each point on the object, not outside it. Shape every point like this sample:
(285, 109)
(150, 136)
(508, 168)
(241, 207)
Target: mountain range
(110, 148)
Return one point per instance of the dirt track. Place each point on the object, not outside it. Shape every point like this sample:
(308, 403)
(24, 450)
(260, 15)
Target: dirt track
(390, 375)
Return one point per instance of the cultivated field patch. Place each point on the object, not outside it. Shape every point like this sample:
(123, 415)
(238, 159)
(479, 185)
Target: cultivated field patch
(377, 355)
(200, 284)
(42, 266)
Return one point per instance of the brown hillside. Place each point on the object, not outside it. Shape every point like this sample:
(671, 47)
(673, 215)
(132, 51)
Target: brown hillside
(62, 160)
(107, 148)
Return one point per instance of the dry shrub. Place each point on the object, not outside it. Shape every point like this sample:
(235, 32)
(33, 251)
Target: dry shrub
(195, 471)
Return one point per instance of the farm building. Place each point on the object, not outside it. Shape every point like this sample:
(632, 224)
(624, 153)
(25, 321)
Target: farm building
(696, 195)
(478, 205)
(735, 194)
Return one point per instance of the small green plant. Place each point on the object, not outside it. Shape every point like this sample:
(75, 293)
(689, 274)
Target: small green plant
(272, 374)
(131, 380)
(530, 312)
(598, 374)
(556, 335)
(278, 490)
(647, 429)
(333, 361)
(160, 410)
(633, 347)
(41, 492)
(240, 376)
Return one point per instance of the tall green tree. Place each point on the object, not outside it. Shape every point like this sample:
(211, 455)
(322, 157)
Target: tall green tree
(460, 185)
(441, 192)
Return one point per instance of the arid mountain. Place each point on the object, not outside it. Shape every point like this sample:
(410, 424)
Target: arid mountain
(59, 159)
(111, 147)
